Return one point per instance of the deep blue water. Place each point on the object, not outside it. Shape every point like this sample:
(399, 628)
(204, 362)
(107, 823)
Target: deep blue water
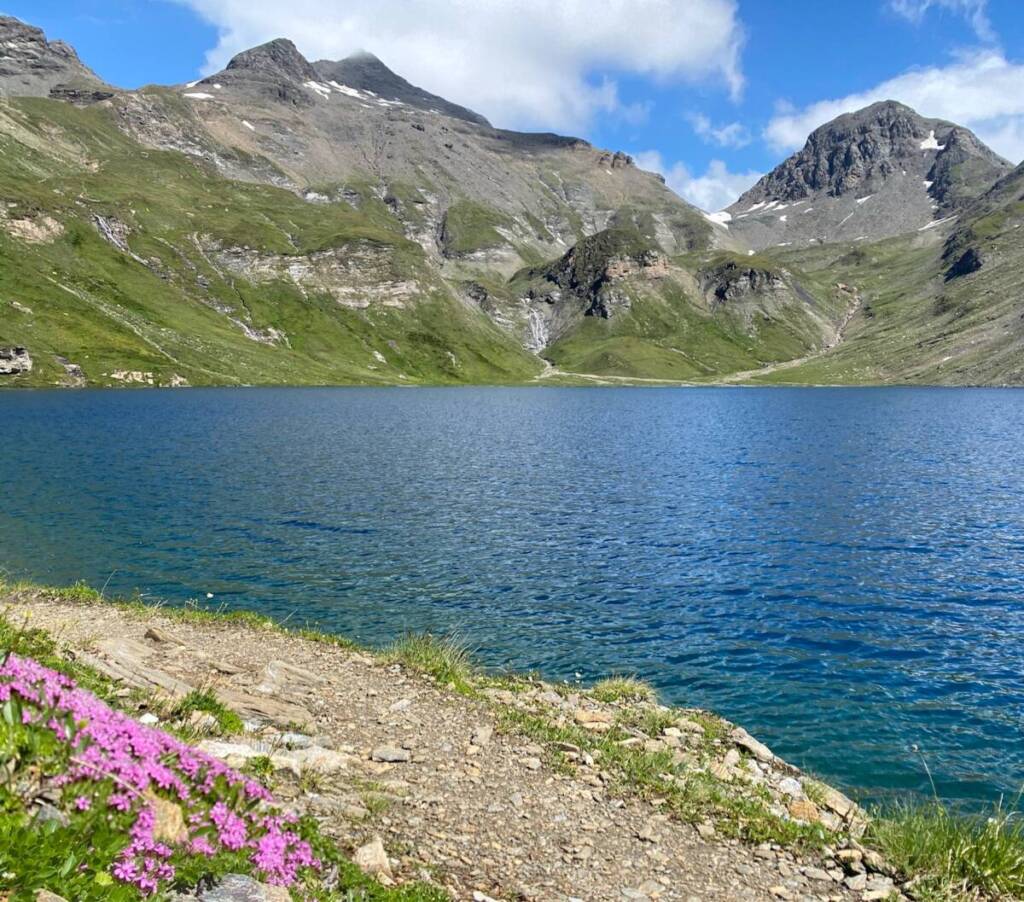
(840, 570)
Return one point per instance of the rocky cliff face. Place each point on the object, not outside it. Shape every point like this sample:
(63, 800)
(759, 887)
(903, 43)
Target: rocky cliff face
(881, 171)
(32, 66)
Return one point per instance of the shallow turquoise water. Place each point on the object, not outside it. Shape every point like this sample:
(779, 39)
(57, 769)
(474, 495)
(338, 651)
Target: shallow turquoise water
(840, 570)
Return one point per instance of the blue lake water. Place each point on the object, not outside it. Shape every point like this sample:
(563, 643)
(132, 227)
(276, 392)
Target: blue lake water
(839, 570)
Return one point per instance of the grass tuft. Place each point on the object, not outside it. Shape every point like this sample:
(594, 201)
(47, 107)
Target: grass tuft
(954, 856)
(446, 659)
(623, 689)
(228, 722)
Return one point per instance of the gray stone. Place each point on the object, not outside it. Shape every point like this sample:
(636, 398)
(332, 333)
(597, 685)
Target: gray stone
(239, 888)
(391, 755)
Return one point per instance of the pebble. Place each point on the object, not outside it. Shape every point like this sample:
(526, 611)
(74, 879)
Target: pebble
(790, 786)
(391, 755)
(482, 736)
(532, 763)
(705, 831)
(817, 874)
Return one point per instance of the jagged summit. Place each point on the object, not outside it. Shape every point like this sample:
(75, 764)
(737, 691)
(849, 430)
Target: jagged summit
(279, 58)
(880, 171)
(32, 66)
(365, 72)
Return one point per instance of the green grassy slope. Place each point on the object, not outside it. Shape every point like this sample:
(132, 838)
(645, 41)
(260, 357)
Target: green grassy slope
(166, 308)
(917, 324)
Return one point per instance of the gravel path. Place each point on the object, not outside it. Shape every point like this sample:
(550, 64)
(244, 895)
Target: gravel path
(431, 773)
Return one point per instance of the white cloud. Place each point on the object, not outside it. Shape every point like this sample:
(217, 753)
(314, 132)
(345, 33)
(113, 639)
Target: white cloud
(735, 134)
(974, 11)
(519, 62)
(716, 189)
(980, 90)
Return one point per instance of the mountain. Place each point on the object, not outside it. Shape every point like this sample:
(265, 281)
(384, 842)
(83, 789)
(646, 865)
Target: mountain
(879, 172)
(31, 66)
(365, 73)
(284, 221)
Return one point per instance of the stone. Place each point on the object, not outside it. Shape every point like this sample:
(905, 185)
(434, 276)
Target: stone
(202, 721)
(240, 888)
(532, 763)
(586, 717)
(648, 832)
(281, 678)
(44, 895)
(803, 810)
(818, 874)
(149, 719)
(482, 736)
(835, 801)
(372, 859)
(263, 708)
(748, 743)
(162, 637)
(790, 786)
(127, 661)
(882, 886)
(690, 726)
(705, 830)
(321, 760)
(169, 821)
(391, 755)
(874, 862)
(857, 882)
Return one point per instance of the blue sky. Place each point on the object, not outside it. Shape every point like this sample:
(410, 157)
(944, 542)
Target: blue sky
(711, 92)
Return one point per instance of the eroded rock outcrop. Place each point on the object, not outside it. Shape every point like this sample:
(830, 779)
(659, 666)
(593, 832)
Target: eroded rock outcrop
(15, 361)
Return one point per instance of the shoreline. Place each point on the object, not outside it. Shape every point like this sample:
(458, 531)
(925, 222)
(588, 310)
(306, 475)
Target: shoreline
(564, 792)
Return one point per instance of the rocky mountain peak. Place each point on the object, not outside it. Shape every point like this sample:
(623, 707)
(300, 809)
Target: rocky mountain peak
(278, 59)
(879, 171)
(32, 66)
(364, 72)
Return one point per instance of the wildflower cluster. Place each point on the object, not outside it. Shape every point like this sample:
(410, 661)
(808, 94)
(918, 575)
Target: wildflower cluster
(175, 800)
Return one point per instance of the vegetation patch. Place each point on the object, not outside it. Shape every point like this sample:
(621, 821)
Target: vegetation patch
(623, 689)
(952, 855)
(446, 659)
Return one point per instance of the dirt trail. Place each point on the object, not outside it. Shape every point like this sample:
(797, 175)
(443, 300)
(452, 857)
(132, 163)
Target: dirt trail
(454, 797)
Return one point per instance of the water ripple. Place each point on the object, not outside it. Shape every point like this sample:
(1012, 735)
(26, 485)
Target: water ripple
(840, 570)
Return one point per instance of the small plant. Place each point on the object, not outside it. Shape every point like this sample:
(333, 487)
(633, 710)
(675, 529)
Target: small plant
(624, 689)
(228, 722)
(955, 856)
(447, 659)
(260, 767)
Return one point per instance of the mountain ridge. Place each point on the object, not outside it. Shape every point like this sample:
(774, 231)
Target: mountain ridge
(298, 222)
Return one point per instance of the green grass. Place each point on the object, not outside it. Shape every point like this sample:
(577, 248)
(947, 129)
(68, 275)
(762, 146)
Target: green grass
(954, 856)
(623, 689)
(106, 311)
(446, 659)
(228, 722)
